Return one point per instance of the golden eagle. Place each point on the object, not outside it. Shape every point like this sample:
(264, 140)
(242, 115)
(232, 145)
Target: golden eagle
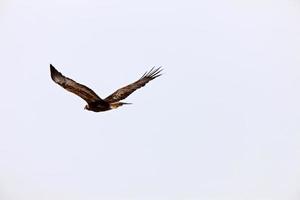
(94, 102)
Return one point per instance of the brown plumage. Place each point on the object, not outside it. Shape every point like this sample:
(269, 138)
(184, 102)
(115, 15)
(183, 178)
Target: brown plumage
(94, 102)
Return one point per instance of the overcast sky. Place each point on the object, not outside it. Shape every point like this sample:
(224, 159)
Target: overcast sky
(222, 123)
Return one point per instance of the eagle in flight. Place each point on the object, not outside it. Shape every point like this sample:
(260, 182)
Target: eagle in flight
(94, 102)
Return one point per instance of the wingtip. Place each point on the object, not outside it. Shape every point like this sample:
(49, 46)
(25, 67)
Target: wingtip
(53, 71)
(52, 68)
(153, 72)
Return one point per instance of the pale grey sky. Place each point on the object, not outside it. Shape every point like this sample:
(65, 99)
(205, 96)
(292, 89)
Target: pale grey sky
(222, 123)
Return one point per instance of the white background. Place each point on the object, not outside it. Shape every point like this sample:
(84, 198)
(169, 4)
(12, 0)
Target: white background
(222, 123)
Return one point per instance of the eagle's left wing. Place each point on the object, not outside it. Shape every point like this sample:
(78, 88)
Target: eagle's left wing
(72, 86)
(124, 92)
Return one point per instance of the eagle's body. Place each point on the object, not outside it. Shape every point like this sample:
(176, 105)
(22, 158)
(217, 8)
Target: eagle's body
(103, 106)
(99, 106)
(94, 102)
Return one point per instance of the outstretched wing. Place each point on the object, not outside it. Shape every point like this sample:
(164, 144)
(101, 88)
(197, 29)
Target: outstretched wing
(124, 92)
(84, 92)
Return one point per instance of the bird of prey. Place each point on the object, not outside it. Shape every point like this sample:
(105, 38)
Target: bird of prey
(94, 102)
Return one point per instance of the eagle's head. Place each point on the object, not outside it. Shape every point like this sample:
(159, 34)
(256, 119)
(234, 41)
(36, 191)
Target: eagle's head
(87, 107)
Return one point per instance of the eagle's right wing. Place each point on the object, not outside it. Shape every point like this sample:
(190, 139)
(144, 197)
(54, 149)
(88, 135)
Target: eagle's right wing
(124, 92)
(84, 92)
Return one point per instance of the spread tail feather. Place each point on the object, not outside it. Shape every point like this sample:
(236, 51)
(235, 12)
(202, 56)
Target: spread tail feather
(118, 104)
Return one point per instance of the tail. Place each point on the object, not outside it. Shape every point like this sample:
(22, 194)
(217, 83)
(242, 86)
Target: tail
(118, 104)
